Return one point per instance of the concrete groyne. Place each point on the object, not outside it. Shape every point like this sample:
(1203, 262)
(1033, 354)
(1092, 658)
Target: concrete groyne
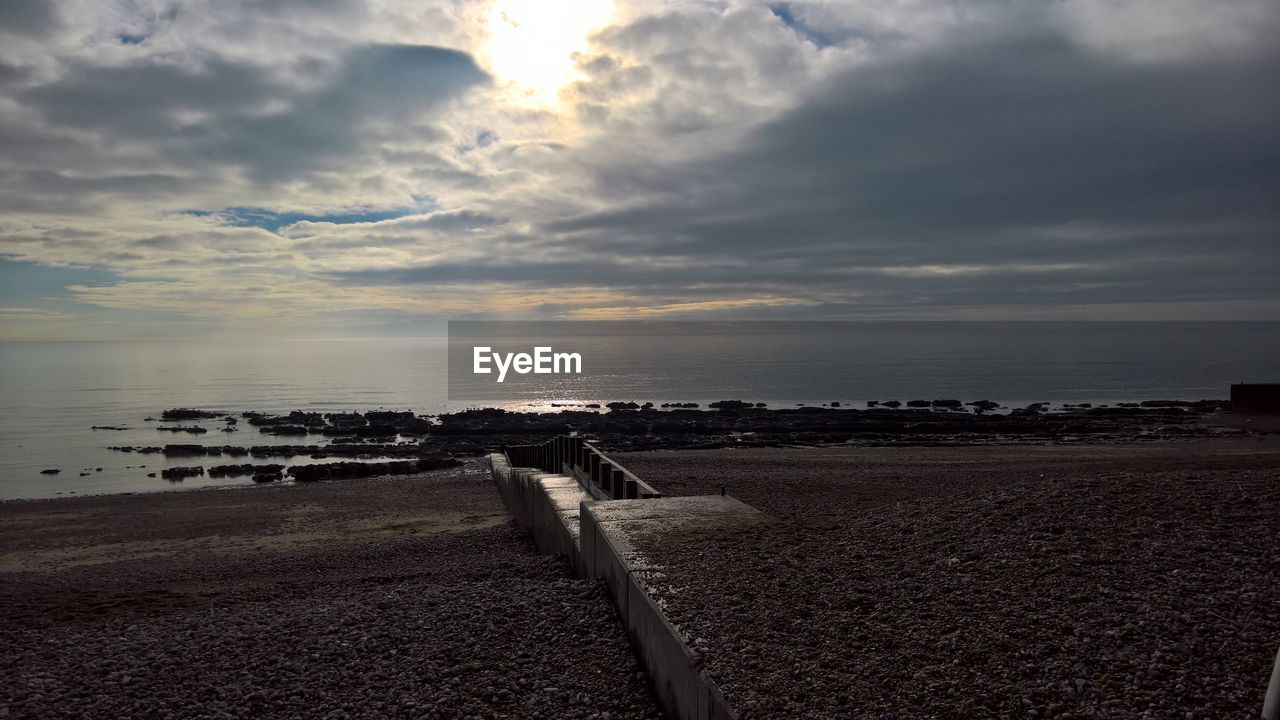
(578, 502)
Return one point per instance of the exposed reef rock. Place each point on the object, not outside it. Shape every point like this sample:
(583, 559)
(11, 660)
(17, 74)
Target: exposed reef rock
(189, 414)
(177, 474)
(245, 469)
(400, 441)
(333, 471)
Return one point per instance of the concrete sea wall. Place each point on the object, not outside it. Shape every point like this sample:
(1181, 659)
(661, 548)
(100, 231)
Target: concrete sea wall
(586, 512)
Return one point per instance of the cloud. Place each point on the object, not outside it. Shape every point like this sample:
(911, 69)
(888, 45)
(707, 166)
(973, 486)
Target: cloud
(28, 17)
(340, 161)
(982, 152)
(220, 112)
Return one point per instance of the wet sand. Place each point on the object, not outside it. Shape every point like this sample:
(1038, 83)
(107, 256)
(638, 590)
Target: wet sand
(406, 596)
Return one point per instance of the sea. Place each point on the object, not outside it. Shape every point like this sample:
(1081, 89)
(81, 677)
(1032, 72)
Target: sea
(53, 394)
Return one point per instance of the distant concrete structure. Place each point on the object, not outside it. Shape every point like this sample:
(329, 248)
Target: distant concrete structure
(1256, 398)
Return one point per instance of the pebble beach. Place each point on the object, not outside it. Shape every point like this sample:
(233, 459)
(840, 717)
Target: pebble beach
(398, 597)
(1038, 580)
(1029, 582)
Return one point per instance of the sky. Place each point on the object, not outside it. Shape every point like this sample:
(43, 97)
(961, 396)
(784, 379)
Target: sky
(330, 168)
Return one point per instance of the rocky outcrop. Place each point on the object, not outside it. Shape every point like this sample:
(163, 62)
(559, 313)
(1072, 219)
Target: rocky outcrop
(338, 470)
(243, 469)
(178, 474)
(189, 414)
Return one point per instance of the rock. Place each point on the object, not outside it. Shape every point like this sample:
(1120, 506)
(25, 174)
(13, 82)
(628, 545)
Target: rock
(918, 403)
(299, 417)
(50, 471)
(266, 477)
(730, 405)
(337, 470)
(188, 414)
(193, 429)
(243, 469)
(284, 430)
(177, 474)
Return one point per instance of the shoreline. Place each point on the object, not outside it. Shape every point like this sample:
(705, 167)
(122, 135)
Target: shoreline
(304, 446)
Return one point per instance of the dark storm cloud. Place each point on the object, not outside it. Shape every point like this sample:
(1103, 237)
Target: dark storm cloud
(381, 83)
(1028, 152)
(1016, 173)
(28, 17)
(226, 112)
(140, 100)
(983, 136)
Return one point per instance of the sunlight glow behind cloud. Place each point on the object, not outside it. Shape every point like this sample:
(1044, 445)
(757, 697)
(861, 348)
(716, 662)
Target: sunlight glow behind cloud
(532, 43)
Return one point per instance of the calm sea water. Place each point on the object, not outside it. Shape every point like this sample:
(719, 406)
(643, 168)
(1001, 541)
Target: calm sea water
(53, 393)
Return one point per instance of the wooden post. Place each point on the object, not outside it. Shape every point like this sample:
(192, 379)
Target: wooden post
(606, 476)
(618, 485)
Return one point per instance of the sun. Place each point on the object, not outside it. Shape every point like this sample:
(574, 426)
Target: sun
(532, 42)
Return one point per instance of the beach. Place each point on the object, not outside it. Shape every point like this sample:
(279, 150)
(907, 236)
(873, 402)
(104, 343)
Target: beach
(1114, 581)
(405, 596)
(1063, 580)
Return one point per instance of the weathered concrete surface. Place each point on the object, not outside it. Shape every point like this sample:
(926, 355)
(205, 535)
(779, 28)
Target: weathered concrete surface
(545, 503)
(606, 551)
(565, 516)
(1271, 703)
